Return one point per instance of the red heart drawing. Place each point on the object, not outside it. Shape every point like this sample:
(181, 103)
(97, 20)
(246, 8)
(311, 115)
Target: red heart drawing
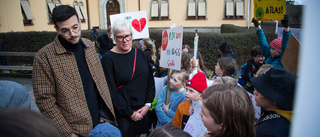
(139, 25)
(164, 40)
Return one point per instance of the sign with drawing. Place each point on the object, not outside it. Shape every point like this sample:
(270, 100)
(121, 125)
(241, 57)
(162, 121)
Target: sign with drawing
(269, 9)
(171, 48)
(138, 21)
(195, 125)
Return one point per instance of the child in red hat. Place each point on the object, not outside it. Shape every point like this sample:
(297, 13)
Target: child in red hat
(275, 51)
(194, 89)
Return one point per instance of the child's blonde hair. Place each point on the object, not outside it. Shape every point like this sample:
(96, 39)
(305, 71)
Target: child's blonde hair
(263, 69)
(183, 75)
(150, 45)
(230, 106)
(225, 80)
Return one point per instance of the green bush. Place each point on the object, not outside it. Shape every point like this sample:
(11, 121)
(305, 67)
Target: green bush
(240, 43)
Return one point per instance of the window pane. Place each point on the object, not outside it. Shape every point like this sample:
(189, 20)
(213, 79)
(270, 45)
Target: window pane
(164, 9)
(191, 9)
(27, 10)
(201, 9)
(229, 8)
(78, 11)
(239, 8)
(83, 11)
(51, 6)
(154, 9)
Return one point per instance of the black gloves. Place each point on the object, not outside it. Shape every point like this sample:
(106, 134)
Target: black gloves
(285, 21)
(255, 22)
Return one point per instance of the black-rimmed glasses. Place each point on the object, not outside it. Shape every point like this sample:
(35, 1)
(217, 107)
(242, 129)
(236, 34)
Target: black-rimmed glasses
(121, 38)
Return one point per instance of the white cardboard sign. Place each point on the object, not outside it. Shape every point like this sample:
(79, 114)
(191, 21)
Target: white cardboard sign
(138, 21)
(195, 125)
(171, 48)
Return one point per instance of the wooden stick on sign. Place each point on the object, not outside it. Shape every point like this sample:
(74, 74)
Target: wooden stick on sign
(168, 87)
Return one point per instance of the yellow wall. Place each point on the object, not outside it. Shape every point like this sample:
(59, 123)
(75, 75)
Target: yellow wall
(39, 11)
(178, 12)
(93, 13)
(11, 16)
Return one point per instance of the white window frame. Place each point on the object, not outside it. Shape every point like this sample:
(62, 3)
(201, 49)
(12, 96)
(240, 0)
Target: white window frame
(77, 7)
(154, 9)
(239, 8)
(202, 8)
(234, 9)
(191, 8)
(164, 9)
(83, 10)
(159, 10)
(27, 9)
(196, 9)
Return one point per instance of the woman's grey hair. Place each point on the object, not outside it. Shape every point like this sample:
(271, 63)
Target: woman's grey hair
(120, 25)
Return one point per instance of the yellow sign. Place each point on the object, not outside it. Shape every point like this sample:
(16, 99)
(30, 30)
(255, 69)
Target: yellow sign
(269, 9)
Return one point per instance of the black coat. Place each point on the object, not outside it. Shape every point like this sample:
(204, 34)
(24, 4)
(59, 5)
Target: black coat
(271, 124)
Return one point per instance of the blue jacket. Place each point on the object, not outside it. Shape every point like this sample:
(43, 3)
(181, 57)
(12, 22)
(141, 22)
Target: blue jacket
(175, 98)
(275, 61)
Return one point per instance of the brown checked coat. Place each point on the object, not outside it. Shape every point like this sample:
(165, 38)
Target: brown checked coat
(59, 91)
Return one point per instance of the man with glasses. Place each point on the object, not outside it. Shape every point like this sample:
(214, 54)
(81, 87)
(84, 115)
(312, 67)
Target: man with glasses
(68, 80)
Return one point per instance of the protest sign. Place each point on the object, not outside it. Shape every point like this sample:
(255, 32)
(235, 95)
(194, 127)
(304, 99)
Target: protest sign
(195, 125)
(291, 55)
(138, 21)
(269, 9)
(171, 48)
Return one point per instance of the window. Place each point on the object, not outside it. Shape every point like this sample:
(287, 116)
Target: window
(234, 9)
(83, 10)
(26, 12)
(196, 9)
(51, 4)
(159, 10)
(82, 14)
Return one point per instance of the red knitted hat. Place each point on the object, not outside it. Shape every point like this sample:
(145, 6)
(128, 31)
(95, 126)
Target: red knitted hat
(276, 44)
(198, 82)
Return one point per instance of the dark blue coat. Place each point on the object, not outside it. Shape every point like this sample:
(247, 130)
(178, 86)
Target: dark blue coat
(271, 124)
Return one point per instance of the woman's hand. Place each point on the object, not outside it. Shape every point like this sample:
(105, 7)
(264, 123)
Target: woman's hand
(136, 116)
(143, 111)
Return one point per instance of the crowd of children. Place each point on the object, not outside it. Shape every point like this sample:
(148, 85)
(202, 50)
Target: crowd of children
(262, 106)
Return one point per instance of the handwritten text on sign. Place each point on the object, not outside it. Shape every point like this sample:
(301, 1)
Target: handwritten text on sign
(269, 9)
(195, 125)
(171, 48)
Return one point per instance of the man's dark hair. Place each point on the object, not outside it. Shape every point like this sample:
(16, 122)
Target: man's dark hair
(62, 13)
(255, 51)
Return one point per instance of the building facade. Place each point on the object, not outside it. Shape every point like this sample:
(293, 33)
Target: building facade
(203, 15)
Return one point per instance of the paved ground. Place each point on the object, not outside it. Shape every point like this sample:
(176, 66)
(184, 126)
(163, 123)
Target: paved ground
(25, 82)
